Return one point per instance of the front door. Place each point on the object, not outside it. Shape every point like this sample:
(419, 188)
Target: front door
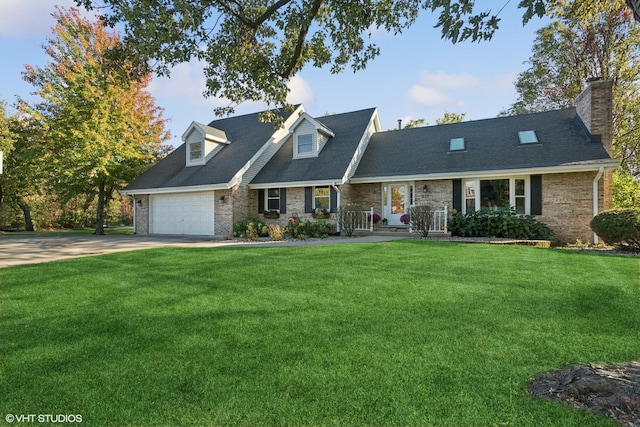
(396, 202)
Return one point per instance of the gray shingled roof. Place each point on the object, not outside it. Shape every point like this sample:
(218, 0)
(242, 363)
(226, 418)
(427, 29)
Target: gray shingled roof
(332, 162)
(247, 135)
(490, 145)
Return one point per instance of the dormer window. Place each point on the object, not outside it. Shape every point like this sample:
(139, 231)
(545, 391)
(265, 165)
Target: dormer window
(309, 137)
(202, 143)
(195, 152)
(305, 144)
(528, 137)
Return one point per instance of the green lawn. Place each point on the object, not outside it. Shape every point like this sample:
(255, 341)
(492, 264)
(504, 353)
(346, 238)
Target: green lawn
(391, 334)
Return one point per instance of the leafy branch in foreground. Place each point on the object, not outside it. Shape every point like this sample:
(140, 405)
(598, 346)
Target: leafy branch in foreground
(252, 48)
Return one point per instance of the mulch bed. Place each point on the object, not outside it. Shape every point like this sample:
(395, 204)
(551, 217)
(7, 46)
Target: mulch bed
(612, 391)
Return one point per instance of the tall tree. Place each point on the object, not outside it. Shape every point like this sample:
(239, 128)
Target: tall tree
(584, 42)
(252, 48)
(103, 128)
(7, 140)
(23, 171)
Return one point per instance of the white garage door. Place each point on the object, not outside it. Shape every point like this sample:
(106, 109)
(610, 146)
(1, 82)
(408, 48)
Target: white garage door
(185, 213)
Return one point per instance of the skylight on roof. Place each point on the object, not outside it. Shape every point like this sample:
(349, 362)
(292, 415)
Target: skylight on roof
(528, 137)
(456, 144)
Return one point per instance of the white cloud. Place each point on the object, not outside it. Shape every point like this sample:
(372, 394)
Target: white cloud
(502, 82)
(458, 91)
(428, 97)
(300, 91)
(449, 82)
(187, 83)
(440, 89)
(29, 18)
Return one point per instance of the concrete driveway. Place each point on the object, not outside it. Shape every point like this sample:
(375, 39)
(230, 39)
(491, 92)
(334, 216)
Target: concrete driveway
(32, 250)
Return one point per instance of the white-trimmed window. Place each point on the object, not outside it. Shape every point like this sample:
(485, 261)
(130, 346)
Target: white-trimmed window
(196, 154)
(520, 196)
(470, 192)
(273, 199)
(321, 198)
(305, 144)
(497, 193)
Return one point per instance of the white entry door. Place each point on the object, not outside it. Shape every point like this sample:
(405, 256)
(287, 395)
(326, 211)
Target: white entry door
(396, 202)
(184, 213)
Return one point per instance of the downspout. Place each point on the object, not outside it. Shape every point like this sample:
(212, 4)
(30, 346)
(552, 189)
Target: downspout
(333, 184)
(595, 198)
(133, 202)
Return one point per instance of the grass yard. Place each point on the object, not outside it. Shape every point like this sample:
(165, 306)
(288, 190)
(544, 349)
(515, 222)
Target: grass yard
(390, 334)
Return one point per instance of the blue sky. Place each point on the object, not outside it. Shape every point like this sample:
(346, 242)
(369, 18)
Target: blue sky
(417, 75)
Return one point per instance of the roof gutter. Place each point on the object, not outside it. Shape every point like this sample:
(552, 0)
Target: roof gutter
(167, 190)
(595, 198)
(486, 173)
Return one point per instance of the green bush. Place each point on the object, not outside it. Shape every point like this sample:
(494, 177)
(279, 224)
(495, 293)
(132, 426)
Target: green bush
(619, 228)
(255, 227)
(306, 229)
(498, 223)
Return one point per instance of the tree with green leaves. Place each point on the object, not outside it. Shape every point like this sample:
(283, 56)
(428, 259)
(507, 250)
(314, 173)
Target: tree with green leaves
(23, 166)
(7, 137)
(101, 128)
(252, 48)
(7, 140)
(583, 42)
(448, 118)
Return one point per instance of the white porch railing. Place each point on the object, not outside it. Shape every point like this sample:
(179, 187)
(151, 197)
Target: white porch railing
(364, 220)
(438, 223)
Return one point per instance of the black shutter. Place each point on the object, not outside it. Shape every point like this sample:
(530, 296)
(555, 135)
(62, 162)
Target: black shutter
(333, 199)
(536, 194)
(260, 201)
(283, 200)
(457, 195)
(308, 199)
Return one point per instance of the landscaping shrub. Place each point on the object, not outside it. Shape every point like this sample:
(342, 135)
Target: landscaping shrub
(276, 232)
(619, 228)
(306, 229)
(498, 223)
(250, 229)
(421, 218)
(348, 216)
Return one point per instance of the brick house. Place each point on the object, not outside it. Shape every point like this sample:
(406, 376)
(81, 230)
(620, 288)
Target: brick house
(556, 165)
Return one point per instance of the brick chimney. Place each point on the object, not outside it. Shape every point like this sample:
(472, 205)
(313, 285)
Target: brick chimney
(594, 106)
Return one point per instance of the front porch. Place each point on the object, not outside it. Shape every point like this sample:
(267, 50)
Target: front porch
(365, 224)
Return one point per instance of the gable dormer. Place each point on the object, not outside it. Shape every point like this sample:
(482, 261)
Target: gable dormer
(309, 136)
(202, 143)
